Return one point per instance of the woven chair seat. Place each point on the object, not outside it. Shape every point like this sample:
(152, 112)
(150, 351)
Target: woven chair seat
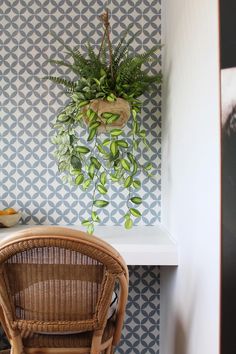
(77, 340)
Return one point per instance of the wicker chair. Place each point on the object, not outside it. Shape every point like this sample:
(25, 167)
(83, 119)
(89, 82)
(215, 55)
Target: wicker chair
(56, 285)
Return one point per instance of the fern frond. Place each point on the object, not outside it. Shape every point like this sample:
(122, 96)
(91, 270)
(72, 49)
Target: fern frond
(59, 81)
(130, 67)
(143, 76)
(95, 62)
(152, 79)
(119, 54)
(144, 57)
(122, 40)
(92, 55)
(62, 63)
(78, 58)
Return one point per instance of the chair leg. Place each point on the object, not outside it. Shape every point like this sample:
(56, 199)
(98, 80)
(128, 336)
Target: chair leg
(110, 349)
(16, 345)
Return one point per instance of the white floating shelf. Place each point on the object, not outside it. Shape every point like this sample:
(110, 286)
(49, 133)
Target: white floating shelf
(142, 245)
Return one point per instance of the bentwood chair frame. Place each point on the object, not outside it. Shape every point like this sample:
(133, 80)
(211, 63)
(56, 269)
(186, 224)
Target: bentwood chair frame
(28, 272)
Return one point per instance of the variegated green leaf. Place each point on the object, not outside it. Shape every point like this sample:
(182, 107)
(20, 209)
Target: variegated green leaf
(100, 203)
(92, 134)
(79, 179)
(107, 115)
(91, 171)
(85, 222)
(116, 132)
(101, 150)
(113, 118)
(122, 143)
(128, 182)
(136, 200)
(82, 149)
(95, 217)
(106, 142)
(101, 189)
(86, 184)
(95, 162)
(83, 103)
(148, 167)
(135, 212)
(125, 164)
(114, 148)
(103, 178)
(128, 224)
(136, 184)
(90, 229)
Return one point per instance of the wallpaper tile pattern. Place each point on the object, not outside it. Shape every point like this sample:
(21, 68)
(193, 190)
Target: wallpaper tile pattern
(29, 180)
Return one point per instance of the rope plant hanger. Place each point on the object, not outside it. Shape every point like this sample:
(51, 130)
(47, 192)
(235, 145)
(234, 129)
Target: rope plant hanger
(103, 96)
(105, 19)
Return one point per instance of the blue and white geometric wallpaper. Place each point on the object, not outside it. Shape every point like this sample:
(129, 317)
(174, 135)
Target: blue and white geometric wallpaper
(29, 180)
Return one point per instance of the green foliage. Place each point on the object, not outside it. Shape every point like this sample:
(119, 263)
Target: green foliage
(106, 158)
(121, 75)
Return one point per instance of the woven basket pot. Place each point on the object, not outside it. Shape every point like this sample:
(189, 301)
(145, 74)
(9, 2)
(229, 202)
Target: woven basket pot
(119, 106)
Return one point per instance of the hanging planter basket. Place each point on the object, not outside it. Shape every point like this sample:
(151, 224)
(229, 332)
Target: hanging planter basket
(103, 109)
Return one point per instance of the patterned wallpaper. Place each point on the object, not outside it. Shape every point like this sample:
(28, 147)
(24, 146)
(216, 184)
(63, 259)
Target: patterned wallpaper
(29, 180)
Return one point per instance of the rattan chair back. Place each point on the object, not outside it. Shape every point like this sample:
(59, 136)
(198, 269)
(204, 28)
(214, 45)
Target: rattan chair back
(56, 286)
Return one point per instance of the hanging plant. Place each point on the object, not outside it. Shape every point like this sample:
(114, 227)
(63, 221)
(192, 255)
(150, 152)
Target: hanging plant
(103, 96)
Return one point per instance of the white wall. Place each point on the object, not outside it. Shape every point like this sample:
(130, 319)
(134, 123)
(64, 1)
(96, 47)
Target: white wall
(191, 177)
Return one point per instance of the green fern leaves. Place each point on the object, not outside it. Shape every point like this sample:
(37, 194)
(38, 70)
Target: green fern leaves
(122, 74)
